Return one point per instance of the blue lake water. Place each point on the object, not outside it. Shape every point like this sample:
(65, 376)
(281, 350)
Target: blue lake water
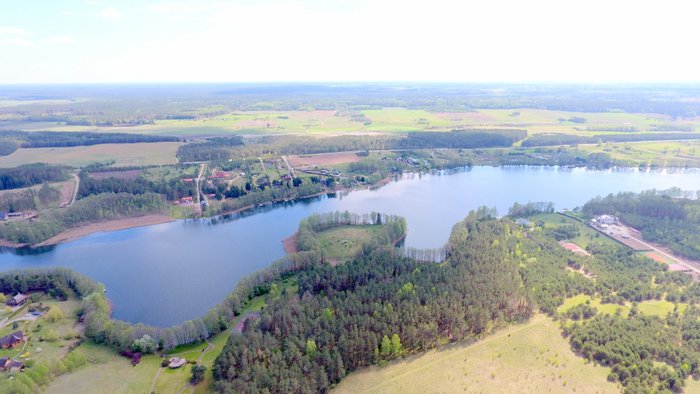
(168, 273)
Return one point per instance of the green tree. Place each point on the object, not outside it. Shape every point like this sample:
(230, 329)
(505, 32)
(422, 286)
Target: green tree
(396, 346)
(311, 347)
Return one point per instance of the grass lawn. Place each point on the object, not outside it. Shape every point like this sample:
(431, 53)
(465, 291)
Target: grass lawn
(123, 155)
(528, 358)
(346, 241)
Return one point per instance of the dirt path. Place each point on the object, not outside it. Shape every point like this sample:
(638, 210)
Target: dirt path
(75, 190)
(153, 385)
(198, 206)
(289, 168)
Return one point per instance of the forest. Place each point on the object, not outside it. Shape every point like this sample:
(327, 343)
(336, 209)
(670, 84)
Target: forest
(29, 199)
(30, 175)
(661, 216)
(377, 308)
(568, 139)
(98, 207)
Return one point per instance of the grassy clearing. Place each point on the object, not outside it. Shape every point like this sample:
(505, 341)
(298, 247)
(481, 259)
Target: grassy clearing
(123, 155)
(532, 357)
(659, 153)
(346, 241)
(586, 234)
(659, 308)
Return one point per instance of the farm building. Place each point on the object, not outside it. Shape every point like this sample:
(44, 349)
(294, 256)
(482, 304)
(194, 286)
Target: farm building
(19, 299)
(12, 340)
(8, 364)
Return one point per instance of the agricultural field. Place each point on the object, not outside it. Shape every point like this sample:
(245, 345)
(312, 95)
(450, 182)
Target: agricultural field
(122, 155)
(532, 357)
(656, 153)
(390, 120)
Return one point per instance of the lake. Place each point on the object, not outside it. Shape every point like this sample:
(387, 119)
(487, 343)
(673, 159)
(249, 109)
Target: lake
(168, 273)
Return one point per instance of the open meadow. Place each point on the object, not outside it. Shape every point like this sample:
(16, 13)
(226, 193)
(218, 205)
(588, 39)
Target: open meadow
(121, 155)
(528, 358)
(392, 120)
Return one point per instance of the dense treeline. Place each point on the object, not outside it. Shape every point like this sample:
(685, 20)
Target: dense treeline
(645, 354)
(30, 175)
(460, 139)
(659, 215)
(213, 149)
(531, 208)
(99, 207)
(172, 189)
(394, 227)
(29, 199)
(376, 308)
(11, 140)
(568, 139)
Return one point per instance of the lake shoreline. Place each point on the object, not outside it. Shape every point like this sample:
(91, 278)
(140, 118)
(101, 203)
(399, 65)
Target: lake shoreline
(104, 226)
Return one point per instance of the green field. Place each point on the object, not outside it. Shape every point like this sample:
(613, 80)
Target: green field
(395, 120)
(528, 358)
(659, 308)
(346, 241)
(586, 234)
(123, 155)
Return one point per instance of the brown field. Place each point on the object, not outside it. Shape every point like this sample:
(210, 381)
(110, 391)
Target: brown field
(574, 248)
(79, 156)
(128, 175)
(322, 159)
(657, 257)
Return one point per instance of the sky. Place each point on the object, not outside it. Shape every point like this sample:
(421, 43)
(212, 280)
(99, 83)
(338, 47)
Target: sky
(592, 41)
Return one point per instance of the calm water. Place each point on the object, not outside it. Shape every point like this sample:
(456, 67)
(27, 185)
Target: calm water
(172, 272)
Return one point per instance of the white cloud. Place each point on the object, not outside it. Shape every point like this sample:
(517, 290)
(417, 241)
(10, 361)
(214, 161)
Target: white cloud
(67, 13)
(15, 42)
(60, 40)
(110, 12)
(15, 31)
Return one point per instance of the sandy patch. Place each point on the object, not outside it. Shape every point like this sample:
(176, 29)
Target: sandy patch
(323, 159)
(111, 225)
(290, 244)
(574, 248)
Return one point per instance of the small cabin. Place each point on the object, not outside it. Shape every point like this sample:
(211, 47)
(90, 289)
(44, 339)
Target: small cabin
(19, 299)
(8, 364)
(12, 340)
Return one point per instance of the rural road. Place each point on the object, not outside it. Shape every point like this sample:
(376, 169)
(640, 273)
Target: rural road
(75, 190)
(198, 206)
(672, 257)
(291, 170)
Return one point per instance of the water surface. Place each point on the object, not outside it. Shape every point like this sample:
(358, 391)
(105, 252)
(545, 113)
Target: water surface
(168, 273)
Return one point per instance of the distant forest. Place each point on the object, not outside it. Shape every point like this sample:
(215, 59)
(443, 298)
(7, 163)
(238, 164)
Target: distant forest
(143, 104)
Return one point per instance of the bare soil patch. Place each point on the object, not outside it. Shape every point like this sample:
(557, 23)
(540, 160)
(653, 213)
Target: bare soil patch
(111, 225)
(290, 244)
(323, 159)
(574, 248)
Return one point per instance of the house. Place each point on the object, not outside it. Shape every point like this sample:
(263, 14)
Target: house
(12, 340)
(606, 219)
(8, 364)
(176, 362)
(523, 222)
(19, 299)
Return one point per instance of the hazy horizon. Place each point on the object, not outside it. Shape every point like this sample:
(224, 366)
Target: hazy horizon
(312, 41)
